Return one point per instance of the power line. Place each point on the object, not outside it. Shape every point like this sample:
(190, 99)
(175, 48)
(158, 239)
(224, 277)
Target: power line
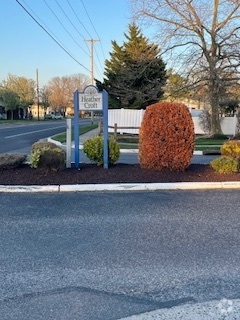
(42, 22)
(93, 28)
(69, 19)
(97, 70)
(98, 59)
(78, 19)
(61, 46)
(89, 19)
(64, 27)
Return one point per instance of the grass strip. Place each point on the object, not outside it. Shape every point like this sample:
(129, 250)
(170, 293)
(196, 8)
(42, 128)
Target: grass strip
(129, 142)
(203, 148)
(20, 121)
(209, 142)
(82, 129)
(128, 145)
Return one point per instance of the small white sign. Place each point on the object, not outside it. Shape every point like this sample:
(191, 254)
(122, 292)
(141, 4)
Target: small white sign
(90, 99)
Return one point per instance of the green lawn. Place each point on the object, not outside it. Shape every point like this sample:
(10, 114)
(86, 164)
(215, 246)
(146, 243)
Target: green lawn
(200, 144)
(25, 121)
(82, 129)
(20, 121)
(209, 144)
(131, 141)
(209, 141)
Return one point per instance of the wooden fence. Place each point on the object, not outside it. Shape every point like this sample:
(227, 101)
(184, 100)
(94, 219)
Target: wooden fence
(117, 129)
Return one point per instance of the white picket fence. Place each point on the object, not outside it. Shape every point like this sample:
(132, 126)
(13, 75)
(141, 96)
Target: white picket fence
(125, 118)
(133, 118)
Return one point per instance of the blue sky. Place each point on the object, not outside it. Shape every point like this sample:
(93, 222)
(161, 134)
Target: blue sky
(25, 46)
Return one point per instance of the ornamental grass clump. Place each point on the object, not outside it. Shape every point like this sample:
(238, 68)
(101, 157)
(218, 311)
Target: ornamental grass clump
(93, 148)
(166, 139)
(12, 160)
(229, 162)
(47, 155)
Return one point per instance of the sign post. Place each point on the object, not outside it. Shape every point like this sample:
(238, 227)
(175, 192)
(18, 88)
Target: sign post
(91, 100)
(69, 142)
(76, 127)
(105, 129)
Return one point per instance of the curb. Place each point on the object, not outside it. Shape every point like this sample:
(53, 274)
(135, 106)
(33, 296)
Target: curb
(122, 187)
(150, 186)
(22, 189)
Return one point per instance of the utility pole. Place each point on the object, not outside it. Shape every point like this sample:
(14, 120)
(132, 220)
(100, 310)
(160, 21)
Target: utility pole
(92, 41)
(37, 95)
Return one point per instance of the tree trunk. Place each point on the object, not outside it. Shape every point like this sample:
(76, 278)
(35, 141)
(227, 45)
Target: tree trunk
(214, 104)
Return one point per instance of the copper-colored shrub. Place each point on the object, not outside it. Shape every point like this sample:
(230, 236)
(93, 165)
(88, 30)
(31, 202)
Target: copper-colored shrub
(166, 139)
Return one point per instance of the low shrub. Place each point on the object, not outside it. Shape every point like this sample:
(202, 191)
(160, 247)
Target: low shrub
(47, 155)
(226, 165)
(43, 144)
(12, 160)
(231, 148)
(113, 151)
(34, 159)
(93, 148)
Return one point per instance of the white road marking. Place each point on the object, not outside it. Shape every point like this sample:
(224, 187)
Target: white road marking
(31, 132)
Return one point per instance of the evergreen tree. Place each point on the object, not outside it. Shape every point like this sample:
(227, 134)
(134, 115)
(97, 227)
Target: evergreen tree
(135, 73)
(176, 87)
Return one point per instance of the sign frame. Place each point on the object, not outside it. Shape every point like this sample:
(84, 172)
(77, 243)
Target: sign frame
(90, 99)
(104, 100)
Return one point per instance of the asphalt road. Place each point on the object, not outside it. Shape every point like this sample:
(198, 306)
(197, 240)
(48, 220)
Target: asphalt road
(105, 256)
(20, 137)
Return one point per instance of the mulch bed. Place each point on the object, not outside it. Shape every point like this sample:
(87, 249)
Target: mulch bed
(119, 173)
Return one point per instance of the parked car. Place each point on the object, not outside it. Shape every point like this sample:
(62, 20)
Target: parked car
(48, 116)
(57, 116)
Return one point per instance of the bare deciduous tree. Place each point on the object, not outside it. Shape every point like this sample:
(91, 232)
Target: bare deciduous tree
(44, 97)
(62, 89)
(205, 36)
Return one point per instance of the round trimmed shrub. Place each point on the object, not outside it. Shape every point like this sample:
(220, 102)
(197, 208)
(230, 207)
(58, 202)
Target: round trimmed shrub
(166, 138)
(226, 165)
(231, 148)
(93, 148)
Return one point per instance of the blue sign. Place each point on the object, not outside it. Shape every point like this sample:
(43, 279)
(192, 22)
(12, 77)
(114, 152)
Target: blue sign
(91, 99)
